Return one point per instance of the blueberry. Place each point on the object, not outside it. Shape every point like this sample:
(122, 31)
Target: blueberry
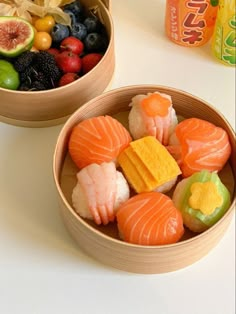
(95, 42)
(76, 7)
(79, 31)
(71, 15)
(59, 32)
(92, 24)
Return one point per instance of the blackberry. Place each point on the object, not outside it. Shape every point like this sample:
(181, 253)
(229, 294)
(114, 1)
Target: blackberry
(37, 86)
(47, 64)
(24, 87)
(41, 77)
(27, 75)
(22, 62)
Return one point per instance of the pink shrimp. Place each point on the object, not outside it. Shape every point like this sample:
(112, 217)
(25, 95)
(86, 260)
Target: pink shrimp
(97, 190)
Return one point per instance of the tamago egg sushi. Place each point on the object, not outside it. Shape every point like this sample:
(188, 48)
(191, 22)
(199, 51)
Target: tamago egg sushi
(148, 166)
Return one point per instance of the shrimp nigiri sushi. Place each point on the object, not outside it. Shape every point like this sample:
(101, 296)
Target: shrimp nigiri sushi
(152, 114)
(99, 191)
(198, 145)
(202, 199)
(150, 219)
(96, 140)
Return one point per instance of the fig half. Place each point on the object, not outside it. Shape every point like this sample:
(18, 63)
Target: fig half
(16, 36)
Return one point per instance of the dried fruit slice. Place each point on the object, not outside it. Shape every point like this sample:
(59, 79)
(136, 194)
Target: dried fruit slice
(16, 36)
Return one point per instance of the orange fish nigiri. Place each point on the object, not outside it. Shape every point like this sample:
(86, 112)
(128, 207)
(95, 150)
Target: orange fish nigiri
(150, 219)
(96, 140)
(199, 145)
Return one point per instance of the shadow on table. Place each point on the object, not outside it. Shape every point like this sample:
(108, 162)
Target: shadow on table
(29, 200)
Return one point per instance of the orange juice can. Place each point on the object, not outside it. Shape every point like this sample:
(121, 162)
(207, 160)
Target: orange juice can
(190, 23)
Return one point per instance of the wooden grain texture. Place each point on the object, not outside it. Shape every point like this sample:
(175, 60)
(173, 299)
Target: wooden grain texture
(44, 108)
(107, 3)
(105, 246)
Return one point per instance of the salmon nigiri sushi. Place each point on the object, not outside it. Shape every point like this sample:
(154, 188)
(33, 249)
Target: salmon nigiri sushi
(99, 191)
(152, 114)
(198, 145)
(150, 219)
(97, 140)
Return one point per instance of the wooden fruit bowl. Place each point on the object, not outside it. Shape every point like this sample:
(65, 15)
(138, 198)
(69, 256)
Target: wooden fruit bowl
(103, 243)
(51, 107)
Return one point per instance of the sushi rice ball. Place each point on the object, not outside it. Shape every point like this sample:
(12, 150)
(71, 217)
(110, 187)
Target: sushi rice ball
(198, 145)
(99, 191)
(97, 140)
(202, 199)
(150, 218)
(152, 114)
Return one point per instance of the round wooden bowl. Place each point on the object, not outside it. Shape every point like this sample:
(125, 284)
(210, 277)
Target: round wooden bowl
(51, 107)
(103, 243)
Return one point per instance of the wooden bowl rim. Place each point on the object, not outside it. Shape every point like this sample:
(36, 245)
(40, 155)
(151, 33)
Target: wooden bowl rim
(54, 90)
(63, 133)
(149, 86)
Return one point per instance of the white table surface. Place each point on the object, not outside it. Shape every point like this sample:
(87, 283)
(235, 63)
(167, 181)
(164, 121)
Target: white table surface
(42, 270)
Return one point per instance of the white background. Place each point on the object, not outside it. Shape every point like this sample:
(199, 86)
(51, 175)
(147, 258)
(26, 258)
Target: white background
(42, 271)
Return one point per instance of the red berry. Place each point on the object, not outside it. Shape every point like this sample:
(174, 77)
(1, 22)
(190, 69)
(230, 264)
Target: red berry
(68, 78)
(68, 61)
(72, 44)
(89, 61)
(53, 51)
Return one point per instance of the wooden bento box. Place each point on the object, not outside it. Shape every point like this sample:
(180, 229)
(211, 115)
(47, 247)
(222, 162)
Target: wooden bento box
(103, 243)
(51, 107)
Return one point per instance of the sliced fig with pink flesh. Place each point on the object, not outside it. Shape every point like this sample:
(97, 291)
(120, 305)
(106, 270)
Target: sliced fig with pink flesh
(16, 36)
